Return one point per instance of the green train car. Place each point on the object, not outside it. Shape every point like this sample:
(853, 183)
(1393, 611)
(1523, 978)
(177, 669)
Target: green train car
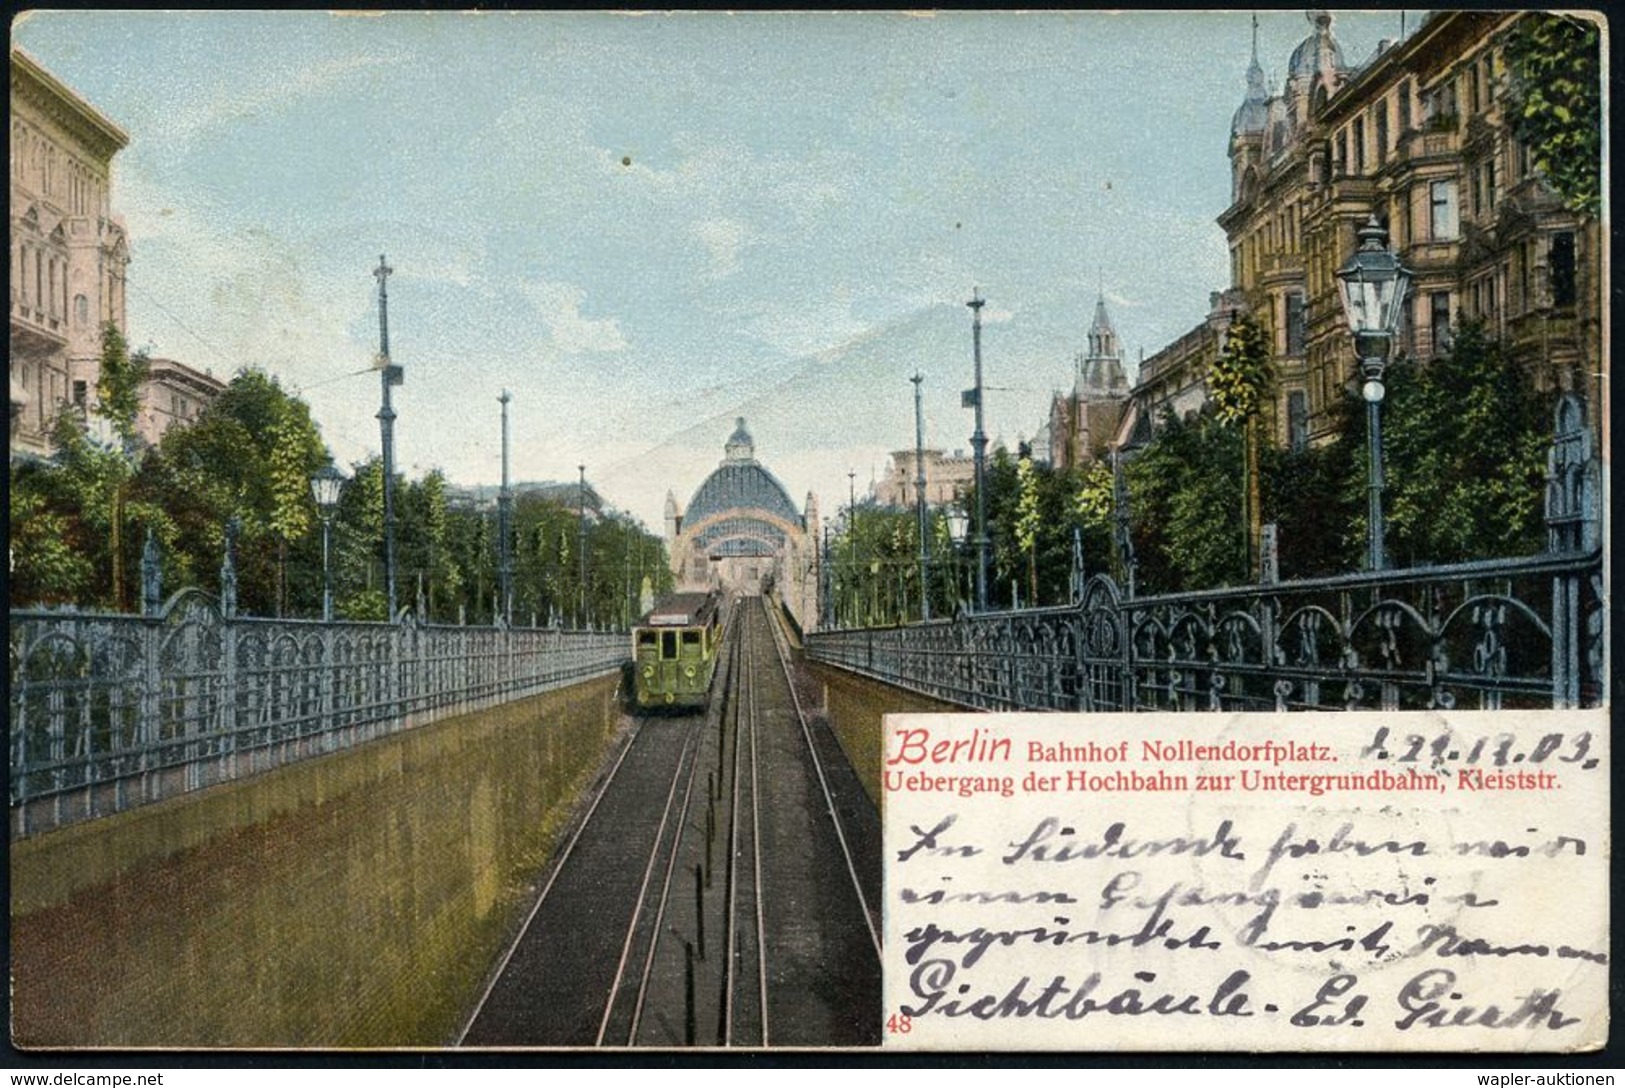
(674, 651)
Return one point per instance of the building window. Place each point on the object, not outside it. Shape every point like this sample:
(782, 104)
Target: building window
(1472, 88)
(1439, 320)
(1489, 181)
(1525, 302)
(1359, 145)
(1562, 268)
(1294, 323)
(1442, 206)
(1381, 125)
(81, 310)
(79, 394)
(1404, 105)
(1439, 108)
(1297, 420)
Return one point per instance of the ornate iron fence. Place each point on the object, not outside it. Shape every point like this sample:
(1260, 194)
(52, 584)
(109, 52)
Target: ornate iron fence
(112, 711)
(1527, 632)
(1512, 633)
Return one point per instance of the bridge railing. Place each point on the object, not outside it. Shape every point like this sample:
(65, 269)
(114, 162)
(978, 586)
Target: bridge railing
(110, 711)
(1510, 633)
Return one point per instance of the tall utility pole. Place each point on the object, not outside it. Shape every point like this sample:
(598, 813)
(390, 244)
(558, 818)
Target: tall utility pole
(581, 544)
(391, 376)
(919, 487)
(505, 521)
(852, 545)
(978, 442)
(828, 586)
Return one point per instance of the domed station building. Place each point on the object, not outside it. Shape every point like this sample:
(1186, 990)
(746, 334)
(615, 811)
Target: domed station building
(742, 533)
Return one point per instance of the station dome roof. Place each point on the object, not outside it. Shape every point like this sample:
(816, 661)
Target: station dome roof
(740, 483)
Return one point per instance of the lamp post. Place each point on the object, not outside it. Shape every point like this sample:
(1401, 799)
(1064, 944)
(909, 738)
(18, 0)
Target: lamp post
(325, 485)
(391, 376)
(581, 544)
(919, 497)
(505, 525)
(826, 584)
(958, 523)
(851, 548)
(978, 441)
(1373, 285)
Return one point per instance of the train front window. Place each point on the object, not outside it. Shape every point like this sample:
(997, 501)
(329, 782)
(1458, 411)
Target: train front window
(691, 638)
(646, 638)
(668, 644)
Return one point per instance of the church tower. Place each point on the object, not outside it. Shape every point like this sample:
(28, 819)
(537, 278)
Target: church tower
(1081, 422)
(1100, 372)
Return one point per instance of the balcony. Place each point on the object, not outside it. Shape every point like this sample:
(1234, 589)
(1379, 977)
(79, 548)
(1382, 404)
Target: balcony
(36, 330)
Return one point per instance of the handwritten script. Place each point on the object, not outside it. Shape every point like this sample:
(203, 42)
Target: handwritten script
(1405, 881)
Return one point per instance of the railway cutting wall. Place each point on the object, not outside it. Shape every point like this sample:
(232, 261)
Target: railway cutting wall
(352, 900)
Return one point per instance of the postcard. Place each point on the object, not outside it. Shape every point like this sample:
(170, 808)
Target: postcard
(862, 531)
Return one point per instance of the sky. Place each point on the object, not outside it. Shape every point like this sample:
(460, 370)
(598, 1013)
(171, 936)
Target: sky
(646, 225)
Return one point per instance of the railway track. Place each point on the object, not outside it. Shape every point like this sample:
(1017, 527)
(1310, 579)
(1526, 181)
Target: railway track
(709, 895)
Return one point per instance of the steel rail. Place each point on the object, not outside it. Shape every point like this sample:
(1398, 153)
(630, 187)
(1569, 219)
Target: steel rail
(823, 784)
(756, 844)
(502, 965)
(688, 755)
(671, 865)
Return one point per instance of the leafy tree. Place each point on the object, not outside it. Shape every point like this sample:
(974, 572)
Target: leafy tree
(1184, 518)
(471, 543)
(1239, 381)
(1314, 496)
(118, 401)
(1464, 440)
(118, 388)
(1094, 509)
(296, 453)
(248, 455)
(48, 566)
(1028, 521)
(358, 542)
(1555, 65)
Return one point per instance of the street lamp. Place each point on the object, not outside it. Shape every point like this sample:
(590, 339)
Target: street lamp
(325, 485)
(958, 525)
(581, 545)
(1373, 285)
(972, 398)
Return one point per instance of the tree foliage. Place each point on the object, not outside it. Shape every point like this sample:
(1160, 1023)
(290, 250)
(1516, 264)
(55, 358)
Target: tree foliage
(1464, 440)
(1240, 378)
(1182, 501)
(1555, 66)
(118, 388)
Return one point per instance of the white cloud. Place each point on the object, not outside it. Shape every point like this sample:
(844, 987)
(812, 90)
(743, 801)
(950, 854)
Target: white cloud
(723, 239)
(559, 305)
(203, 112)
